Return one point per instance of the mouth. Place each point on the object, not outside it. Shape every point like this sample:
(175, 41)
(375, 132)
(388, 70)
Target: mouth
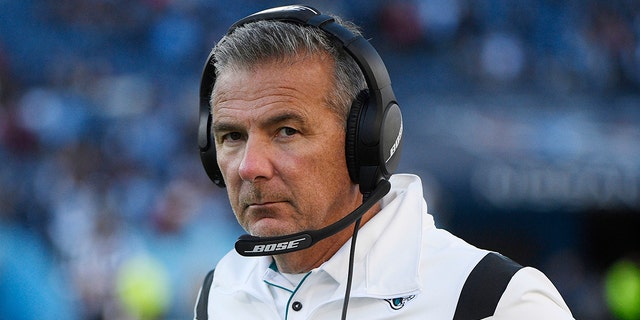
(265, 209)
(264, 204)
(265, 218)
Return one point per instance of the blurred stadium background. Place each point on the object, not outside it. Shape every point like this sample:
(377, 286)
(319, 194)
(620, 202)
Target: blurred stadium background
(522, 117)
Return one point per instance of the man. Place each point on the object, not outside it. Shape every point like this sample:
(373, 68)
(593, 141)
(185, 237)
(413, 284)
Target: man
(299, 123)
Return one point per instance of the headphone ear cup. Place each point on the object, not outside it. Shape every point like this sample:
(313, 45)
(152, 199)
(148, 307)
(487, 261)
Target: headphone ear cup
(351, 141)
(210, 164)
(208, 153)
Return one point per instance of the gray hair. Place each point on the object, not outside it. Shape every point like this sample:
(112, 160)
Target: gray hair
(269, 40)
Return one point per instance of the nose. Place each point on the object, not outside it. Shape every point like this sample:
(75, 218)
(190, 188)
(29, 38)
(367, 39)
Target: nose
(256, 161)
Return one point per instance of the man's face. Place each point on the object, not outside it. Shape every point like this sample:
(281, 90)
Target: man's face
(281, 149)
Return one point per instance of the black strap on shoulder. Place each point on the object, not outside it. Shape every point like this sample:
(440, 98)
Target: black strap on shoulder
(484, 287)
(203, 301)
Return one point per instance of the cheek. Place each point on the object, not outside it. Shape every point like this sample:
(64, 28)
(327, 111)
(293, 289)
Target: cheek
(232, 181)
(232, 194)
(227, 165)
(325, 171)
(333, 162)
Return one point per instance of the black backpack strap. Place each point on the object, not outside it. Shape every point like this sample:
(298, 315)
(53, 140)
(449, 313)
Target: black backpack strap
(203, 301)
(484, 287)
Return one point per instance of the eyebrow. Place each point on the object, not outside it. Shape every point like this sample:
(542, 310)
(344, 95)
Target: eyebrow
(284, 117)
(224, 127)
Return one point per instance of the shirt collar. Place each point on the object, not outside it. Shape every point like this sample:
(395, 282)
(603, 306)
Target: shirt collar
(388, 246)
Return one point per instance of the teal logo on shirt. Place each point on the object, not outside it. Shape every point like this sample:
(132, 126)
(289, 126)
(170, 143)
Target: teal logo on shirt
(398, 303)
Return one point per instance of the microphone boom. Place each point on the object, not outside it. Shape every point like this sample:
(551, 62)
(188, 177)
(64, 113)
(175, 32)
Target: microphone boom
(251, 246)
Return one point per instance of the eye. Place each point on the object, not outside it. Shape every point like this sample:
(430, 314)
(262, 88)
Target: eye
(287, 131)
(232, 136)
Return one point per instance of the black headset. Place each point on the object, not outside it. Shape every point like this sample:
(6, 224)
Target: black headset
(374, 128)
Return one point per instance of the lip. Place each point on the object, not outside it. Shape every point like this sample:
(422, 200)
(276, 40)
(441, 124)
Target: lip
(263, 211)
(264, 204)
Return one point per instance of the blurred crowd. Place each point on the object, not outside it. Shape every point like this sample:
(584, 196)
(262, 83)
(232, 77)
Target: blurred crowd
(105, 211)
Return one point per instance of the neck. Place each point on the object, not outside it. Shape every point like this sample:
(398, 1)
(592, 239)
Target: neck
(308, 259)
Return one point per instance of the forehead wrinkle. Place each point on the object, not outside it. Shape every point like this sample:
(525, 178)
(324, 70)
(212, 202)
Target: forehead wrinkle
(244, 74)
(237, 92)
(293, 106)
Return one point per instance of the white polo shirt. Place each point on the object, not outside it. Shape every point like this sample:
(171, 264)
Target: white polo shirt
(404, 268)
